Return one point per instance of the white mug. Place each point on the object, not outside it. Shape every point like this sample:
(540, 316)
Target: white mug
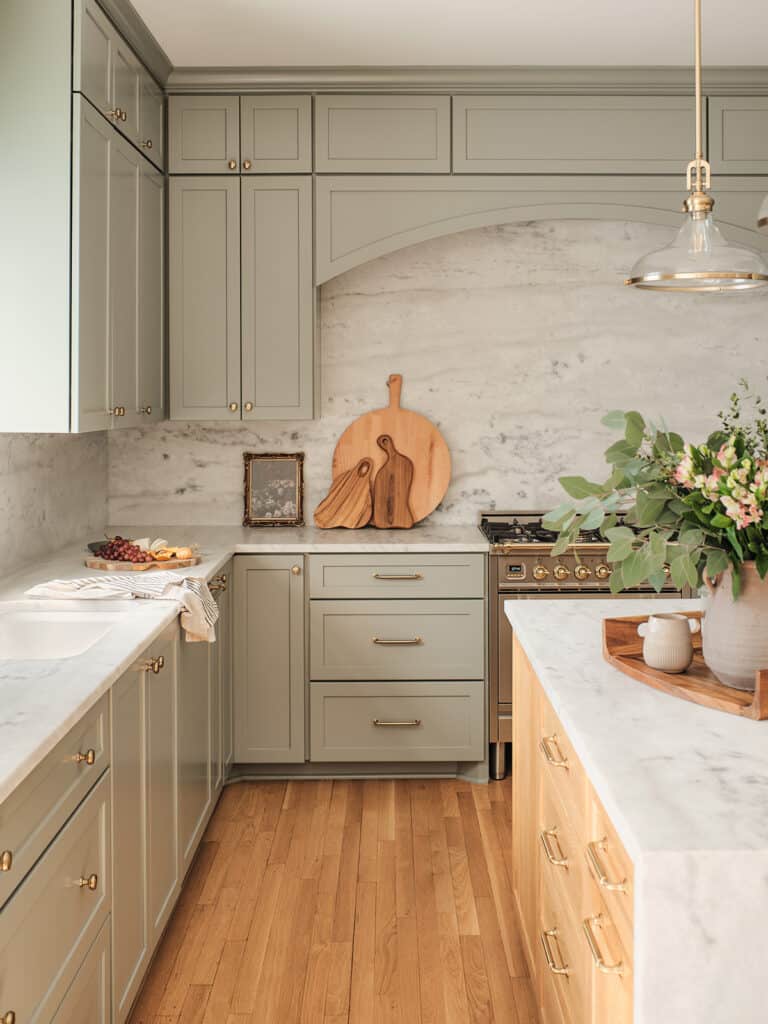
(667, 643)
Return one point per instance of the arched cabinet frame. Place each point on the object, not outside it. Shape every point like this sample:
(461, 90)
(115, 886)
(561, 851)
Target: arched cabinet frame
(358, 218)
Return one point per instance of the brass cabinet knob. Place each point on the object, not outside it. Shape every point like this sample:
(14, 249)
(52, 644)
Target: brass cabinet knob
(233, 406)
(602, 572)
(221, 578)
(540, 572)
(90, 883)
(561, 572)
(8, 1018)
(89, 757)
(116, 114)
(147, 144)
(147, 410)
(246, 165)
(119, 410)
(296, 570)
(155, 665)
(6, 860)
(123, 115)
(232, 165)
(248, 406)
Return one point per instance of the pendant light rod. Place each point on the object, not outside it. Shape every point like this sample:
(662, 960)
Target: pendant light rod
(699, 165)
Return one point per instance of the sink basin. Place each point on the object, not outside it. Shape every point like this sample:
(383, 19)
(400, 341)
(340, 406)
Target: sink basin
(45, 630)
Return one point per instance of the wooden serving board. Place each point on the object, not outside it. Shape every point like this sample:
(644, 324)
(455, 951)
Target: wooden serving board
(414, 436)
(107, 566)
(623, 648)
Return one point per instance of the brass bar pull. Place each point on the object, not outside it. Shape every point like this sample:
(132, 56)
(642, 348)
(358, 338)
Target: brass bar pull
(545, 835)
(215, 587)
(89, 757)
(551, 933)
(546, 746)
(596, 866)
(597, 957)
(410, 723)
(413, 642)
(90, 883)
(6, 860)
(398, 576)
(8, 1018)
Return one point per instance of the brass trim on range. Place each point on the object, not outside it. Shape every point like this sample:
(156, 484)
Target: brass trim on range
(410, 723)
(598, 870)
(546, 935)
(597, 957)
(544, 746)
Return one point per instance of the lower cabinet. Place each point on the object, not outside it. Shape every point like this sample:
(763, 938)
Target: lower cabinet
(88, 1000)
(195, 751)
(221, 588)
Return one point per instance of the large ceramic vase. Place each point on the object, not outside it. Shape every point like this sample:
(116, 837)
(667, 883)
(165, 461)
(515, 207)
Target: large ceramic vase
(735, 630)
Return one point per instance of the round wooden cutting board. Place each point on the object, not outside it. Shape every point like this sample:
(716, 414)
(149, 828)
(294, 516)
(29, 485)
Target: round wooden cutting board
(413, 435)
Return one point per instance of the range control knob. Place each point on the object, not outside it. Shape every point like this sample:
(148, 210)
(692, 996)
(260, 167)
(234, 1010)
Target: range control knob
(603, 571)
(582, 572)
(540, 572)
(561, 572)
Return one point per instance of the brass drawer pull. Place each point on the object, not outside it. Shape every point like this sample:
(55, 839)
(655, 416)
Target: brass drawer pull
(413, 642)
(89, 757)
(410, 723)
(598, 870)
(6, 860)
(155, 665)
(597, 957)
(546, 745)
(221, 578)
(215, 587)
(545, 835)
(8, 1018)
(90, 883)
(398, 576)
(551, 933)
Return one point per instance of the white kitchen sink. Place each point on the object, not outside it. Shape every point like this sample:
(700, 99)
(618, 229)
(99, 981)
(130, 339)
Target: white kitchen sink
(45, 630)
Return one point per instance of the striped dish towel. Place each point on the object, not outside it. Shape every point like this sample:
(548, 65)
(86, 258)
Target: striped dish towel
(199, 611)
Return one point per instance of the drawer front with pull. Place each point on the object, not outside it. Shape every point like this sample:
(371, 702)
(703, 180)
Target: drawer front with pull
(611, 870)
(385, 576)
(563, 769)
(560, 850)
(36, 810)
(609, 963)
(397, 640)
(565, 967)
(88, 999)
(406, 721)
(53, 919)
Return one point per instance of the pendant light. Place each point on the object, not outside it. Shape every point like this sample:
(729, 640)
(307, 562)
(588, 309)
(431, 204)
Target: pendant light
(700, 259)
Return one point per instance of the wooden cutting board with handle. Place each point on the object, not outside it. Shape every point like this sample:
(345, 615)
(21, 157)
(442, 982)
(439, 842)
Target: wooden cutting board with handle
(413, 435)
(392, 488)
(348, 503)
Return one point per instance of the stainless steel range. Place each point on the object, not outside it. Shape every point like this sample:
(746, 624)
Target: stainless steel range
(522, 567)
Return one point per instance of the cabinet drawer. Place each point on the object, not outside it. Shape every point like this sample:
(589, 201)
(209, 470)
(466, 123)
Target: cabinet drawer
(87, 1001)
(608, 964)
(347, 576)
(36, 810)
(559, 927)
(559, 843)
(396, 640)
(611, 870)
(397, 721)
(379, 134)
(563, 769)
(52, 920)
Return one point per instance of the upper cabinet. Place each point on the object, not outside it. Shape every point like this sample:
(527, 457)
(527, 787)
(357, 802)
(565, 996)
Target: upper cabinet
(738, 134)
(383, 134)
(571, 134)
(203, 134)
(276, 134)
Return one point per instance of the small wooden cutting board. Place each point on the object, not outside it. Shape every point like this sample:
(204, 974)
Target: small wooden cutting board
(392, 488)
(106, 566)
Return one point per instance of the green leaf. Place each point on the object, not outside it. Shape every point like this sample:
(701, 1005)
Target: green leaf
(762, 564)
(657, 580)
(635, 568)
(721, 522)
(634, 429)
(735, 543)
(620, 453)
(614, 419)
(556, 519)
(578, 487)
(562, 543)
(679, 571)
(617, 580)
(593, 520)
(667, 441)
(648, 509)
(717, 562)
(690, 537)
(658, 545)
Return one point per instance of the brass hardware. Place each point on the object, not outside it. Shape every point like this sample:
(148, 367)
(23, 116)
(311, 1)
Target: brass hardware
(232, 165)
(155, 665)
(6, 860)
(296, 570)
(561, 572)
(410, 723)
(551, 933)
(248, 406)
(582, 572)
(597, 957)
(147, 410)
(603, 571)
(119, 410)
(147, 144)
(725, 275)
(596, 866)
(545, 835)
(540, 572)
(544, 746)
(398, 576)
(8, 1018)
(413, 642)
(89, 757)
(116, 114)
(221, 578)
(233, 406)
(123, 115)
(216, 587)
(246, 165)
(90, 883)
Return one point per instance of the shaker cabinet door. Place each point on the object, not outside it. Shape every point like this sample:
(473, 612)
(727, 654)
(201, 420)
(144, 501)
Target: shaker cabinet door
(276, 134)
(151, 354)
(92, 65)
(203, 134)
(204, 247)
(151, 119)
(125, 89)
(125, 172)
(195, 749)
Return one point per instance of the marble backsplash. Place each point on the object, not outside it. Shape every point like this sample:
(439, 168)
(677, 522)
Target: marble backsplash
(514, 340)
(53, 490)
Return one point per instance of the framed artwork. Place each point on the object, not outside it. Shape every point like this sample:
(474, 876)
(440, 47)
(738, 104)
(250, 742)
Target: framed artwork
(274, 489)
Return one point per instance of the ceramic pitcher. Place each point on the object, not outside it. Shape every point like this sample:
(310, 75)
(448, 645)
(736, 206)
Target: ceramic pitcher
(735, 631)
(667, 642)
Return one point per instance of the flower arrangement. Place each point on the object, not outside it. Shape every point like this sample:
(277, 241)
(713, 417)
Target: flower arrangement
(688, 510)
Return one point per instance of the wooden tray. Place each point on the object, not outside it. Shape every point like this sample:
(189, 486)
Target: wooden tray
(623, 648)
(107, 566)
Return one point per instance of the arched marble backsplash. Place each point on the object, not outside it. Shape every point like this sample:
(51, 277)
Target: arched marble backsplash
(514, 339)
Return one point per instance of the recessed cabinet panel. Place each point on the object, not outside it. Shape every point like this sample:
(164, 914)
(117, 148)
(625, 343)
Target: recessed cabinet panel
(204, 227)
(125, 72)
(195, 746)
(571, 134)
(124, 283)
(276, 134)
(92, 72)
(150, 400)
(277, 298)
(88, 998)
(151, 119)
(738, 133)
(203, 134)
(376, 134)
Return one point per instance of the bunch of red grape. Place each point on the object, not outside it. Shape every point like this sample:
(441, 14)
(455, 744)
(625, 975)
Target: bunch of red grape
(120, 550)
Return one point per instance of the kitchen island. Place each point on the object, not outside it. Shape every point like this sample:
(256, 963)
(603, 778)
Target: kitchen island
(686, 790)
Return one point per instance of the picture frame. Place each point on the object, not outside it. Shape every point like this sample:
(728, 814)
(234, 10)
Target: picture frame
(274, 488)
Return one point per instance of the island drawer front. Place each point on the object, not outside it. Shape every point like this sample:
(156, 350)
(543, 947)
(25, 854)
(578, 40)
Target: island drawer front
(397, 640)
(612, 872)
(557, 840)
(36, 810)
(51, 922)
(569, 951)
(563, 768)
(88, 999)
(398, 576)
(610, 986)
(408, 721)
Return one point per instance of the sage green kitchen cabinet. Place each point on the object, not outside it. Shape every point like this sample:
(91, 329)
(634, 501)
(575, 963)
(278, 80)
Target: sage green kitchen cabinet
(94, 39)
(221, 587)
(88, 998)
(150, 394)
(203, 134)
(277, 299)
(195, 745)
(151, 137)
(204, 298)
(125, 88)
(276, 134)
(269, 659)
(738, 134)
(383, 134)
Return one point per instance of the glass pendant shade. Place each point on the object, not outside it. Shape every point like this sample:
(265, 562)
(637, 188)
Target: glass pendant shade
(762, 217)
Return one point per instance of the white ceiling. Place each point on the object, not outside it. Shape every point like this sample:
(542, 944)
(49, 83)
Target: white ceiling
(279, 33)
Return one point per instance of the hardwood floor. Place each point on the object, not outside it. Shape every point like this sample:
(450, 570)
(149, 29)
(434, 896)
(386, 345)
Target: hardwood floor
(336, 902)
